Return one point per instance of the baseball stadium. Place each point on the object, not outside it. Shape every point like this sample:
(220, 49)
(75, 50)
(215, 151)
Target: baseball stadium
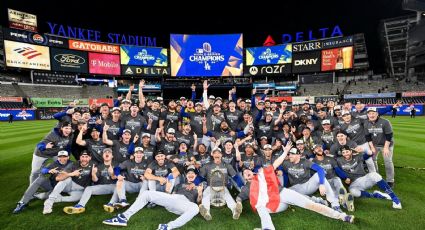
(212, 116)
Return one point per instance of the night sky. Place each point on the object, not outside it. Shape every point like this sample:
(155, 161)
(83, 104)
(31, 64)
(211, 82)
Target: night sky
(255, 21)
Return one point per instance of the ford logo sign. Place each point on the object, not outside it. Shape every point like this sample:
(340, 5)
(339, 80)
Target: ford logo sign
(69, 59)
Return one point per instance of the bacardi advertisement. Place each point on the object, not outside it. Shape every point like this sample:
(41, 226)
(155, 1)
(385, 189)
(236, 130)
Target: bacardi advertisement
(23, 55)
(22, 20)
(337, 59)
(69, 60)
(144, 71)
(268, 70)
(306, 62)
(34, 38)
(104, 64)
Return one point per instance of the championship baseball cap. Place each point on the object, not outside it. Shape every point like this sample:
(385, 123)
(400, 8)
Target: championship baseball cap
(62, 153)
(216, 150)
(345, 112)
(260, 102)
(217, 105)
(126, 101)
(294, 151)
(345, 147)
(211, 97)
(126, 131)
(269, 113)
(116, 109)
(337, 107)
(228, 141)
(182, 98)
(326, 122)
(65, 124)
(358, 102)
(159, 98)
(372, 109)
(248, 101)
(158, 152)
(342, 132)
(316, 145)
(107, 150)
(82, 122)
(134, 104)
(218, 99)
(190, 168)
(198, 103)
(171, 130)
(138, 149)
(263, 137)
(267, 146)
(84, 152)
(94, 129)
(146, 135)
(104, 104)
(300, 141)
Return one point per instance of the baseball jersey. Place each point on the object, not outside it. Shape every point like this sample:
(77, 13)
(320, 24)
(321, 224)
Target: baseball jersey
(84, 179)
(148, 152)
(154, 115)
(246, 161)
(95, 149)
(182, 159)
(354, 167)
(60, 167)
(135, 124)
(196, 122)
(191, 195)
(214, 121)
(378, 130)
(59, 142)
(114, 129)
(120, 151)
(335, 148)
(355, 131)
(229, 158)
(133, 170)
(226, 169)
(233, 118)
(328, 138)
(298, 173)
(169, 147)
(171, 120)
(203, 159)
(103, 174)
(188, 139)
(161, 170)
(328, 164)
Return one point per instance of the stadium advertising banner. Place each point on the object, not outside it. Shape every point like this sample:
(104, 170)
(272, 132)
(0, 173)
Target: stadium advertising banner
(301, 99)
(325, 98)
(46, 102)
(206, 55)
(306, 62)
(143, 56)
(11, 99)
(46, 113)
(22, 20)
(18, 115)
(264, 85)
(306, 46)
(99, 101)
(104, 64)
(23, 55)
(269, 55)
(337, 42)
(78, 102)
(144, 71)
(69, 60)
(413, 94)
(369, 95)
(269, 70)
(316, 78)
(94, 47)
(404, 110)
(34, 38)
(280, 99)
(337, 59)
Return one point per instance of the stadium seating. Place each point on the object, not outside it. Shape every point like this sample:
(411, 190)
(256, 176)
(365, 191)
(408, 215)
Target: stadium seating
(7, 90)
(11, 105)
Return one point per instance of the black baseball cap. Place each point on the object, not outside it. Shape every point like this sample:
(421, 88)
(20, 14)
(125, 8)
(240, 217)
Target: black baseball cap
(159, 152)
(104, 104)
(345, 147)
(191, 168)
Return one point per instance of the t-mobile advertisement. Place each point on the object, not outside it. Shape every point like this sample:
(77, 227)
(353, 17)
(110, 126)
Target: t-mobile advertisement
(104, 64)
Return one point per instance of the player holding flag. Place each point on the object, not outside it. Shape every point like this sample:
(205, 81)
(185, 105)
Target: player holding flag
(267, 196)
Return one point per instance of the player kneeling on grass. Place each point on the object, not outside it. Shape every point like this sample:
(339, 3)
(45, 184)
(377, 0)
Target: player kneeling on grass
(72, 182)
(46, 180)
(105, 179)
(359, 181)
(131, 178)
(267, 196)
(182, 202)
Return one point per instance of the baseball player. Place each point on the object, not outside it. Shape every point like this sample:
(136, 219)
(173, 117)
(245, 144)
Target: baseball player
(182, 202)
(359, 180)
(121, 149)
(267, 196)
(53, 170)
(105, 179)
(94, 145)
(130, 175)
(206, 172)
(159, 171)
(379, 135)
(58, 139)
(72, 181)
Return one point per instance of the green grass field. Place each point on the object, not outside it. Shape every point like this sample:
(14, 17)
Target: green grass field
(17, 142)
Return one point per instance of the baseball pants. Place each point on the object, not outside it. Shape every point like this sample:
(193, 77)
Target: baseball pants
(101, 189)
(363, 183)
(74, 190)
(127, 186)
(388, 161)
(206, 199)
(42, 182)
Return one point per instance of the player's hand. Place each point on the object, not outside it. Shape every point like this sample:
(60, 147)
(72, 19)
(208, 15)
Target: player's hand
(205, 85)
(94, 170)
(254, 91)
(279, 173)
(84, 128)
(131, 88)
(195, 136)
(136, 138)
(322, 190)
(150, 120)
(347, 181)
(175, 160)
(142, 178)
(250, 120)
(53, 171)
(162, 180)
(99, 120)
(121, 178)
(287, 147)
(266, 91)
(200, 188)
(232, 133)
(204, 120)
(141, 83)
(76, 173)
(111, 170)
(386, 152)
(293, 129)
(193, 87)
(190, 186)
(105, 128)
(49, 145)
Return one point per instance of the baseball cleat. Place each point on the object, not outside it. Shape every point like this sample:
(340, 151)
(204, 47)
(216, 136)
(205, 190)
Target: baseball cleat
(108, 207)
(47, 210)
(349, 219)
(118, 220)
(74, 209)
(397, 205)
(350, 202)
(381, 195)
(162, 227)
(205, 212)
(122, 204)
(342, 197)
(237, 211)
(19, 207)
